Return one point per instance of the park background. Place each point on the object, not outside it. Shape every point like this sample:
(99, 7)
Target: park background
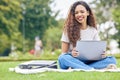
(22, 20)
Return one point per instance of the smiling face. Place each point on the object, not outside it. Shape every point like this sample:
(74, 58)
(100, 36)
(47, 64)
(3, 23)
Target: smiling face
(81, 14)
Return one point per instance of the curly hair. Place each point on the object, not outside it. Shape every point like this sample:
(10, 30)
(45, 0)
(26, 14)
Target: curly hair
(72, 26)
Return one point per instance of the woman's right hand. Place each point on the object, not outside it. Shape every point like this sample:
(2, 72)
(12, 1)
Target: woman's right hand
(74, 52)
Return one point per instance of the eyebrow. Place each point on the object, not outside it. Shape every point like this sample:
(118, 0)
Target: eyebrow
(80, 10)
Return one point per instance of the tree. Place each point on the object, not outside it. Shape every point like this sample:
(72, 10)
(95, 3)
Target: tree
(116, 17)
(9, 16)
(104, 11)
(52, 36)
(37, 17)
(23, 20)
(9, 22)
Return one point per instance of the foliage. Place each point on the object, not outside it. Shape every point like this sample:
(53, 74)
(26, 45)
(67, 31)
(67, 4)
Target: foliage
(22, 20)
(116, 17)
(9, 20)
(36, 18)
(9, 16)
(4, 42)
(52, 37)
(103, 9)
(108, 11)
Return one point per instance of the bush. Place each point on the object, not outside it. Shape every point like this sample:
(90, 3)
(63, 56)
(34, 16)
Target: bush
(52, 38)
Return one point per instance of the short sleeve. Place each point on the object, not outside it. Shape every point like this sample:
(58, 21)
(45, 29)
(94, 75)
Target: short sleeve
(97, 37)
(65, 37)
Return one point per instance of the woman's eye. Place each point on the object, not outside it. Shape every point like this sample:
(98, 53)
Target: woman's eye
(79, 12)
(82, 11)
(76, 12)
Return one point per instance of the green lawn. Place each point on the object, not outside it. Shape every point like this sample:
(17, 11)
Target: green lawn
(5, 74)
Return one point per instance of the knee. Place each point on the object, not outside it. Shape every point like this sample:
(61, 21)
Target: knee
(64, 57)
(61, 57)
(112, 60)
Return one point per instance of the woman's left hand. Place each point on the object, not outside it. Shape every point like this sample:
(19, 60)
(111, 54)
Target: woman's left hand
(74, 52)
(104, 55)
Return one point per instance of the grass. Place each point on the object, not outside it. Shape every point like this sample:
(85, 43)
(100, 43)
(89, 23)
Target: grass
(27, 56)
(5, 74)
(46, 56)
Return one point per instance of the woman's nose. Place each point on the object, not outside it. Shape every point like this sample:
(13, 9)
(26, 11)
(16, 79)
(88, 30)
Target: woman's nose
(79, 13)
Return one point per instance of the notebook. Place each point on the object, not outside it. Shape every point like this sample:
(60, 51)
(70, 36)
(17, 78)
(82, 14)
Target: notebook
(90, 50)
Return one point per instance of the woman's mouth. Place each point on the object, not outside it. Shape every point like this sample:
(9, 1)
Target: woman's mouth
(80, 18)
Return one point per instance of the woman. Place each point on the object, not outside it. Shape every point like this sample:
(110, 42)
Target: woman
(38, 47)
(80, 25)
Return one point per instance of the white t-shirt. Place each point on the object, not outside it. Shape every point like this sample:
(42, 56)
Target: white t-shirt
(88, 34)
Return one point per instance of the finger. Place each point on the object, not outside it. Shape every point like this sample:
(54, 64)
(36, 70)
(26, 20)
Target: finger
(74, 49)
(75, 54)
(103, 55)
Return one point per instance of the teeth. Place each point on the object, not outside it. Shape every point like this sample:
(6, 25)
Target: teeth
(80, 18)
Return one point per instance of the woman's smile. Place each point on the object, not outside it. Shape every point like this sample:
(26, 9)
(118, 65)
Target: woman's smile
(80, 18)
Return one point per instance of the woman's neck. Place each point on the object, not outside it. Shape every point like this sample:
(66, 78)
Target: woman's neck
(83, 27)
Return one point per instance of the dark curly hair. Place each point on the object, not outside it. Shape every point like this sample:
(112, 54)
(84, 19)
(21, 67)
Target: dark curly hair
(72, 26)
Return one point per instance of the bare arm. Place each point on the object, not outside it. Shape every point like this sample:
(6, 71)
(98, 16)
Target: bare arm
(65, 47)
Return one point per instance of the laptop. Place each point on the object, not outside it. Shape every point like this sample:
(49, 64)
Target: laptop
(90, 50)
